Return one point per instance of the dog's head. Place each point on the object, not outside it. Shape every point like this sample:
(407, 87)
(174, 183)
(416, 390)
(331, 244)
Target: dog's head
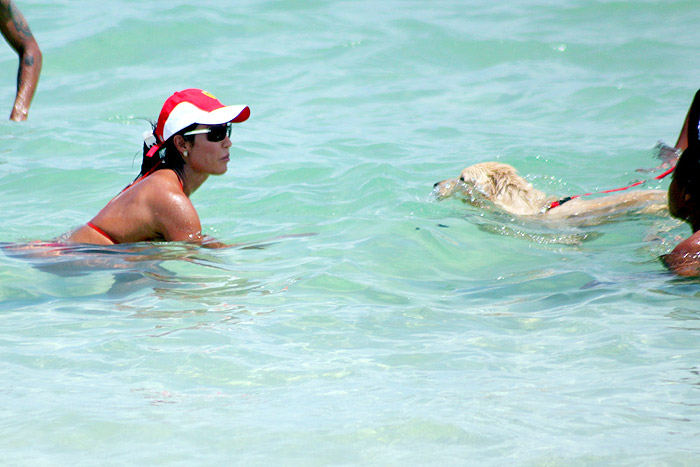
(495, 182)
(446, 188)
(493, 179)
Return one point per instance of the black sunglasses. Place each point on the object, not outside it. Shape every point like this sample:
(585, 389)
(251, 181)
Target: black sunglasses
(214, 133)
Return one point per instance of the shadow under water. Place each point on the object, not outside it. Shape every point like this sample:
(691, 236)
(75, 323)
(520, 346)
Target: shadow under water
(137, 266)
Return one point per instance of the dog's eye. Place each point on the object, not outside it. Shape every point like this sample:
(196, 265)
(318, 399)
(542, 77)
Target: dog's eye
(461, 179)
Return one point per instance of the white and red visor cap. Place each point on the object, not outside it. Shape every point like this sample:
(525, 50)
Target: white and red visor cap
(189, 106)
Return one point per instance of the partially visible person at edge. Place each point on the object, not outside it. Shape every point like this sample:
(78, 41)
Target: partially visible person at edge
(190, 142)
(684, 196)
(17, 33)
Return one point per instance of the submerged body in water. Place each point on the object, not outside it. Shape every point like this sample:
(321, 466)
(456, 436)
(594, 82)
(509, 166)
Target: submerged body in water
(189, 143)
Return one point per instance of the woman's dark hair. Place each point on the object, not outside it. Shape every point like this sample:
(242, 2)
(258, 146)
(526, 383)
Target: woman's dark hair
(684, 190)
(167, 157)
(686, 175)
(687, 171)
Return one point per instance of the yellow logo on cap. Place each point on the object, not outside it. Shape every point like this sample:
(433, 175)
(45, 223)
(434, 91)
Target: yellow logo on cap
(208, 94)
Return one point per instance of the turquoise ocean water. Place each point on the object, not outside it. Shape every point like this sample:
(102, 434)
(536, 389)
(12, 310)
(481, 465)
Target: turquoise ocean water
(405, 331)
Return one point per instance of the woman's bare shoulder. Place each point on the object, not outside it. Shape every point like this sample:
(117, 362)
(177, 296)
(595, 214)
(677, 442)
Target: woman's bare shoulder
(153, 208)
(162, 179)
(156, 189)
(172, 211)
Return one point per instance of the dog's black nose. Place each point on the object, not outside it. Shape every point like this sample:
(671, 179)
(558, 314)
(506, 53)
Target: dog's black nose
(436, 184)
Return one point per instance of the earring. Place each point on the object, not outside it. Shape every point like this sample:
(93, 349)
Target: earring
(184, 154)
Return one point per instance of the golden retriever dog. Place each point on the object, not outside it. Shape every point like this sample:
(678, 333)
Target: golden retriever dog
(500, 184)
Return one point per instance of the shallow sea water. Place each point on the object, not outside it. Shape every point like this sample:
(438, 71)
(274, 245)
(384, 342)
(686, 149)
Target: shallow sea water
(361, 322)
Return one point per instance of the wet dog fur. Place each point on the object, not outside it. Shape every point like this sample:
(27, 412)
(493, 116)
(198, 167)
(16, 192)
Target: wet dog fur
(500, 184)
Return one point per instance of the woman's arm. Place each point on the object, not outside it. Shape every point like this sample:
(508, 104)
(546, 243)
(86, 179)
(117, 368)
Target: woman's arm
(179, 221)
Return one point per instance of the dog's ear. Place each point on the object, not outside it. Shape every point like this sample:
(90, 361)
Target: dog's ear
(479, 176)
(505, 179)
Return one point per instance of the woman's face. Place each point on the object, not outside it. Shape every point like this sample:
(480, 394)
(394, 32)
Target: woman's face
(206, 156)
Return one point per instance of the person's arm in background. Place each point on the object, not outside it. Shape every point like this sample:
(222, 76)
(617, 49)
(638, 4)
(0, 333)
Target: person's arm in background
(17, 33)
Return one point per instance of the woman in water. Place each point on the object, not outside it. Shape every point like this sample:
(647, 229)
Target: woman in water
(684, 196)
(189, 142)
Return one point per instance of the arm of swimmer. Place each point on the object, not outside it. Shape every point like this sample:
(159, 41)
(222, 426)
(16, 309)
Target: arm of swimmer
(17, 33)
(179, 222)
(684, 260)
